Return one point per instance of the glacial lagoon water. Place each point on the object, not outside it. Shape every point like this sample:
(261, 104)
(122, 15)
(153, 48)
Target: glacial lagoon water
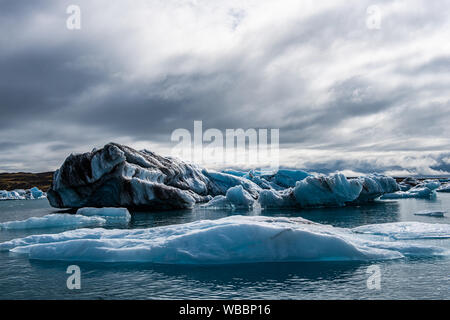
(407, 278)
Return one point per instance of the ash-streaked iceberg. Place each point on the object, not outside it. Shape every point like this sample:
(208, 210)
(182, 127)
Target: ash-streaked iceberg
(235, 239)
(118, 176)
(23, 194)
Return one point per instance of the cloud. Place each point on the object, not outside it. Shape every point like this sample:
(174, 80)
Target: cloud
(360, 99)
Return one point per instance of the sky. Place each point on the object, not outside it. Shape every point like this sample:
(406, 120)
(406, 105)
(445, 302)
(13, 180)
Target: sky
(355, 86)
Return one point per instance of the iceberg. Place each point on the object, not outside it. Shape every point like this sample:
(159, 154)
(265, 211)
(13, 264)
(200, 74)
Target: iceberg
(335, 190)
(277, 199)
(118, 176)
(53, 221)
(422, 190)
(235, 239)
(374, 186)
(236, 197)
(416, 192)
(444, 188)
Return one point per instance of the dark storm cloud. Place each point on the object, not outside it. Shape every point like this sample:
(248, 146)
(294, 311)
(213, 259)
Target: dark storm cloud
(137, 72)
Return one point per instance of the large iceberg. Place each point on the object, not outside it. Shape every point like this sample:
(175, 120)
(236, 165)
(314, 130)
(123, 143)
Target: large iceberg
(235, 239)
(118, 176)
(23, 194)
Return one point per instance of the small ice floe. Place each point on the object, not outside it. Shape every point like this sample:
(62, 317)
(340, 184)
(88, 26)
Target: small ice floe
(53, 221)
(409, 230)
(107, 213)
(85, 217)
(430, 213)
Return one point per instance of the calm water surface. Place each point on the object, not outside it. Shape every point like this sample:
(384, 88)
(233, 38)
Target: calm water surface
(409, 278)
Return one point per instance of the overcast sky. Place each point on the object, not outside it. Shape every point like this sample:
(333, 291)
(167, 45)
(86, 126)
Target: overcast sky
(344, 94)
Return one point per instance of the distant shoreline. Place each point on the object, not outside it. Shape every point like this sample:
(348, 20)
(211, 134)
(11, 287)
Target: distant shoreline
(26, 180)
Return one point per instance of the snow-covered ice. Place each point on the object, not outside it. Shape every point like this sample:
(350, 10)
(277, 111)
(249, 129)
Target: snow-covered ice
(235, 239)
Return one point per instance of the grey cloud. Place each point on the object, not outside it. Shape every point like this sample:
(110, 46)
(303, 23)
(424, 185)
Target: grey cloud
(76, 90)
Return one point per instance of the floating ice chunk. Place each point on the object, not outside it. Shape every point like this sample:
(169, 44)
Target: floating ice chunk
(431, 184)
(321, 190)
(11, 195)
(236, 197)
(407, 230)
(430, 213)
(239, 197)
(21, 194)
(53, 221)
(218, 202)
(375, 185)
(36, 193)
(235, 239)
(277, 199)
(108, 213)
